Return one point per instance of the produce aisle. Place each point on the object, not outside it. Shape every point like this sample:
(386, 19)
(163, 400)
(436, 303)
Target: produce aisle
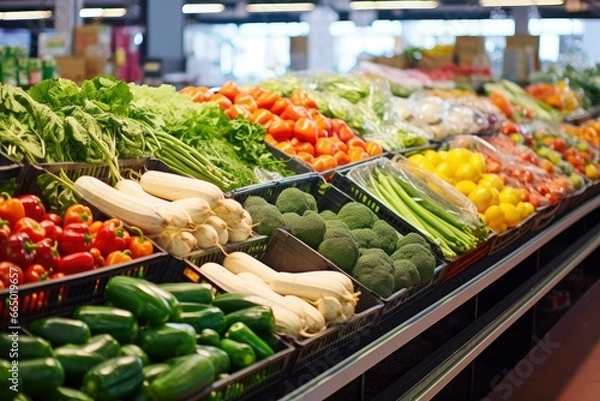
(306, 237)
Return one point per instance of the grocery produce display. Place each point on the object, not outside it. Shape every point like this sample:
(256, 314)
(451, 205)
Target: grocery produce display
(259, 268)
(152, 342)
(293, 125)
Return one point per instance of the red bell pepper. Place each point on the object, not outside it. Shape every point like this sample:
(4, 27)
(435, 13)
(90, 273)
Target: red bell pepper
(78, 214)
(33, 206)
(46, 253)
(35, 273)
(139, 246)
(10, 273)
(55, 276)
(76, 263)
(31, 227)
(53, 231)
(76, 238)
(98, 258)
(111, 237)
(5, 230)
(118, 257)
(53, 217)
(19, 249)
(11, 209)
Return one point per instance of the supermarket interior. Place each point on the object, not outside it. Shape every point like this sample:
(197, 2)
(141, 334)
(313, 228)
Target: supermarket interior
(273, 200)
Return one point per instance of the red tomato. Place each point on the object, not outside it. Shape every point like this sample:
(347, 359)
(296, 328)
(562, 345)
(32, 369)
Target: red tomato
(279, 106)
(223, 101)
(306, 130)
(294, 112)
(325, 146)
(305, 147)
(262, 116)
(230, 90)
(247, 101)
(267, 100)
(280, 130)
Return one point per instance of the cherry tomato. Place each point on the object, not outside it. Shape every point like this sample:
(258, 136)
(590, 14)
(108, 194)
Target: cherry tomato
(262, 116)
(373, 148)
(223, 101)
(230, 90)
(306, 130)
(325, 146)
(286, 147)
(247, 101)
(305, 147)
(280, 130)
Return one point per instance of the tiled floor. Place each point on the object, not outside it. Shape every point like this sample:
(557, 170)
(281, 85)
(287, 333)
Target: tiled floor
(566, 364)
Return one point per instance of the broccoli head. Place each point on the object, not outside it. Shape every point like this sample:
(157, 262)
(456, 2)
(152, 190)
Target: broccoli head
(308, 228)
(335, 223)
(405, 274)
(328, 215)
(268, 218)
(254, 201)
(385, 258)
(412, 238)
(365, 237)
(341, 251)
(290, 218)
(337, 232)
(386, 236)
(296, 201)
(420, 256)
(374, 273)
(356, 215)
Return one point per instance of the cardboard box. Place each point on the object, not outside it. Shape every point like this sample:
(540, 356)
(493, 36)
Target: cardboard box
(92, 40)
(399, 62)
(527, 44)
(475, 44)
(298, 53)
(73, 68)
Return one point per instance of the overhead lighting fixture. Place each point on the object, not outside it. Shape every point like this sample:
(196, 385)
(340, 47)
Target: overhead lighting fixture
(206, 8)
(25, 15)
(520, 3)
(393, 5)
(279, 7)
(102, 12)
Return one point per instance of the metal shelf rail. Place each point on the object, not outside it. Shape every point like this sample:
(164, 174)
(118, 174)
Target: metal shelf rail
(356, 364)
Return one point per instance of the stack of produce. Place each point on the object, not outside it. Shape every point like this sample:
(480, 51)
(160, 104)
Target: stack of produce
(354, 239)
(181, 214)
(584, 79)
(154, 342)
(558, 95)
(37, 246)
(500, 206)
(292, 125)
(589, 132)
(303, 303)
(429, 204)
(365, 105)
(517, 104)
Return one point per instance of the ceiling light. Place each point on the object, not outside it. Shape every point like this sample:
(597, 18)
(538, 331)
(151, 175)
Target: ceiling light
(207, 8)
(25, 15)
(102, 12)
(519, 3)
(279, 7)
(393, 5)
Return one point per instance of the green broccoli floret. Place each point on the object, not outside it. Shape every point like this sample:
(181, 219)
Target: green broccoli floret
(335, 223)
(290, 218)
(387, 236)
(254, 201)
(341, 251)
(380, 254)
(328, 215)
(375, 274)
(365, 237)
(296, 201)
(412, 238)
(308, 228)
(420, 256)
(337, 232)
(356, 215)
(268, 218)
(405, 274)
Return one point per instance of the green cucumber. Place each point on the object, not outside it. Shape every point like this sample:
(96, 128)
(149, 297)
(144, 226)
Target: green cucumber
(41, 377)
(119, 323)
(60, 331)
(69, 394)
(104, 345)
(151, 372)
(24, 347)
(134, 350)
(209, 318)
(182, 326)
(186, 377)
(218, 357)
(201, 293)
(241, 333)
(232, 302)
(208, 337)
(193, 306)
(76, 361)
(113, 379)
(259, 318)
(240, 354)
(164, 342)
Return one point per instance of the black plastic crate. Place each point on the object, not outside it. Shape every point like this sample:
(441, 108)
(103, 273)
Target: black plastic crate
(330, 198)
(254, 246)
(9, 169)
(545, 216)
(286, 253)
(573, 199)
(501, 241)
